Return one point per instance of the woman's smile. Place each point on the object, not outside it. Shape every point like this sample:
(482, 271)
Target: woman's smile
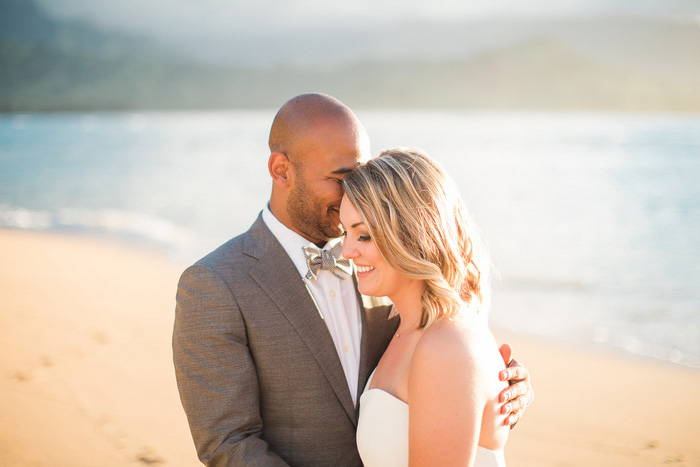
(363, 270)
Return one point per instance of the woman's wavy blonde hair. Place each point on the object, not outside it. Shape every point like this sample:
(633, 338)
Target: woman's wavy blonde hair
(420, 226)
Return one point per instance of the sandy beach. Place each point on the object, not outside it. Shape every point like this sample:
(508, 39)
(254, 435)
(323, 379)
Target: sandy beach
(86, 374)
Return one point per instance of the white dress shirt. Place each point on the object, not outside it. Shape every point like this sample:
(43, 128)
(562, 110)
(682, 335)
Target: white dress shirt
(336, 299)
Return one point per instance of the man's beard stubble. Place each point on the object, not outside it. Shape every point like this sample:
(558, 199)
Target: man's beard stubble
(309, 216)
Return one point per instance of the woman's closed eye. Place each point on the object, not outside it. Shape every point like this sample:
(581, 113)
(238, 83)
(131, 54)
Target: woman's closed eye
(360, 238)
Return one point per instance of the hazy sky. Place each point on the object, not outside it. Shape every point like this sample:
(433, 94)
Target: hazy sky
(265, 17)
(269, 31)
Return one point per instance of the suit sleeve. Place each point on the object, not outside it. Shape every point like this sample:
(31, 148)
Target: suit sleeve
(216, 375)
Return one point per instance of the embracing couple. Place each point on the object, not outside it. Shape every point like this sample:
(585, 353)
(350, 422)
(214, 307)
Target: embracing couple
(286, 349)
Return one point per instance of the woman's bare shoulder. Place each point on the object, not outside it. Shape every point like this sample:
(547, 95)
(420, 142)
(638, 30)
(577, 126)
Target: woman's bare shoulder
(458, 344)
(449, 342)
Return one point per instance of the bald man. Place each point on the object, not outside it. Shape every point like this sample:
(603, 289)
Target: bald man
(272, 342)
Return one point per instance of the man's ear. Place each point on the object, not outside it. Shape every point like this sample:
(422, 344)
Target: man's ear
(279, 167)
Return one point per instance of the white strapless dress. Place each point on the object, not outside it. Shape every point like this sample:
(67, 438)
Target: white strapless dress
(382, 433)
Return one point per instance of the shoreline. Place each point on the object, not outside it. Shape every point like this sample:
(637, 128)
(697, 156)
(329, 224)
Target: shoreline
(88, 378)
(176, 259)
(599, 349)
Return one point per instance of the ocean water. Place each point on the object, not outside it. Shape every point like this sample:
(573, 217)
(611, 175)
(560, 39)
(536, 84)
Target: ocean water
(592, 220)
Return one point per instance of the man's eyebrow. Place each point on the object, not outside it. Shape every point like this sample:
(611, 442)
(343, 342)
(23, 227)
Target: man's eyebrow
(342, 170)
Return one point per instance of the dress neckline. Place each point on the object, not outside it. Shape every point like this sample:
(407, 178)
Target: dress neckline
(368, 389)
(396, 399)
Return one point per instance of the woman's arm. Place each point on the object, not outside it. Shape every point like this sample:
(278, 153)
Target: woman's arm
(447, 396)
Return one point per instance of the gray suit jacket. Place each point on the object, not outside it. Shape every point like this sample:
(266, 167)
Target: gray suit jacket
(258, 374)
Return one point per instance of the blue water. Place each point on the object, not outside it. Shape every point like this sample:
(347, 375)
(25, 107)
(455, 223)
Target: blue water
(592, 220)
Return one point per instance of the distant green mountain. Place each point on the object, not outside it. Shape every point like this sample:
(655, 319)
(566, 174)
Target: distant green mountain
(48, 65)
(24, 22)
(534, 75)
(51, 65)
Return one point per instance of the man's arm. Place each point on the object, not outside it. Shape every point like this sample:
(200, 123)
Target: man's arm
(519, 395)
(215, 373)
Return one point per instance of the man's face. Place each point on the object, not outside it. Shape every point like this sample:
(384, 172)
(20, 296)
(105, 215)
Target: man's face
(319, 165)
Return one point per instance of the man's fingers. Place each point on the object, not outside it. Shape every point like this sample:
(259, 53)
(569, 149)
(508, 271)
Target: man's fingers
(512, 419)
(516, 372)
(516, 397)
(520, 388)
(519, 403)
(519, 393)
(509, 393)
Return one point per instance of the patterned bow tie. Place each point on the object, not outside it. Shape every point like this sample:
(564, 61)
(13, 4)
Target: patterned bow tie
(330, 260)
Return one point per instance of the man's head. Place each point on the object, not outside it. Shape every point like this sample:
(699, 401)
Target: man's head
(314, 141)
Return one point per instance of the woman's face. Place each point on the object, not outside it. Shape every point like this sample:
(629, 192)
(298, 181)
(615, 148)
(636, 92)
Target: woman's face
(375, 277)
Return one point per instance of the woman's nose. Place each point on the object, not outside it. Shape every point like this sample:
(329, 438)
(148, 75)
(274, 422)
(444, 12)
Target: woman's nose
(349, 252)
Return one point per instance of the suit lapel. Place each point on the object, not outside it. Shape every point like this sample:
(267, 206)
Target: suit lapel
(279, 278)
(377, 331)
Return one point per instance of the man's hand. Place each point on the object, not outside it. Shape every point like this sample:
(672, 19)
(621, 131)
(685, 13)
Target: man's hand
(519, 395)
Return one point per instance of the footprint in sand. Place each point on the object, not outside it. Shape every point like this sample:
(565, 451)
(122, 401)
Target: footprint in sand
(46, 362)
(148, 458)
(101, 338)
(21, 376)
(675, 458)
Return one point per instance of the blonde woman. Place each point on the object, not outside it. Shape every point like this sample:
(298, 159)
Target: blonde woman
(433, 398)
